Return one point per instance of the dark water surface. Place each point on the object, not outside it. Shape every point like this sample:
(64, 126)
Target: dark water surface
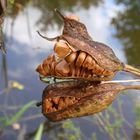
(115, 23)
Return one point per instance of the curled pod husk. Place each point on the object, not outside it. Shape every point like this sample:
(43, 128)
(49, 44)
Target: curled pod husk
(76, 99)
(78, 39)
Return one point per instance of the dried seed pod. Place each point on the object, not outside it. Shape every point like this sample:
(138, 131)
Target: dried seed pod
(74, 70)
(80, 98)
(104, 62)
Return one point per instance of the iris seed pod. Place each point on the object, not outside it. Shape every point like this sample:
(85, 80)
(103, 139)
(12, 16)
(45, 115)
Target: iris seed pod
(82, 51)
(76, 99)
(72, 69)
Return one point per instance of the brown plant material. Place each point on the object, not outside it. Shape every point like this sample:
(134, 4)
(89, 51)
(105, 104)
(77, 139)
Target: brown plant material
(3, 6)
(86, 59)
(78, 68)
(76, 99)
(77, 56)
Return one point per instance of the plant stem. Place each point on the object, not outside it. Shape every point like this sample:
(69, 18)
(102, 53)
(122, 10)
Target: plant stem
(47, 38)
(60, 14)
(137, 87)
(131, 69)
(120, 81)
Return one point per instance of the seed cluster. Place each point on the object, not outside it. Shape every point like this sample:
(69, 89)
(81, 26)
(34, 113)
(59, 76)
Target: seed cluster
(57, 103)
(69, 62)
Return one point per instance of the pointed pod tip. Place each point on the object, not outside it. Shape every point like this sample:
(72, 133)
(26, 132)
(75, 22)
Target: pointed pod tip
(59, 13)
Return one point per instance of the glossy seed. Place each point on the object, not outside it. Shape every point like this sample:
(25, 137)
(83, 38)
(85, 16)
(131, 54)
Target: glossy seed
(53, 64)
(47, 68)
(47, 63)
(87, 62)
(62, 68)
(80, 59)
(61, 49)
(41, 70)
(71, 58)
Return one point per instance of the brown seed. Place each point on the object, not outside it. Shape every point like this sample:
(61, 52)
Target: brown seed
(107, 73)
(56, 100)
(47, 63)
(53, 109)
(48, 109)
(62, 68)
(48, 104)
(80, 59)
(47, 69)
(71, 58)
(61, 49)
(93, 63)
(77, 71)
(50, 58)
(98, 70)
(61, 104)
(52, 71)
(41, 70)
(72, 70)
(87, 62)
(66, 100)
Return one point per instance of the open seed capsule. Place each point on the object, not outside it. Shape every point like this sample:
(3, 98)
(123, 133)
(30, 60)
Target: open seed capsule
(89, 56)
(77, 99)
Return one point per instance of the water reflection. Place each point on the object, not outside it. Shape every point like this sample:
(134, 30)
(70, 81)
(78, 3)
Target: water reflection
(127, 24)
